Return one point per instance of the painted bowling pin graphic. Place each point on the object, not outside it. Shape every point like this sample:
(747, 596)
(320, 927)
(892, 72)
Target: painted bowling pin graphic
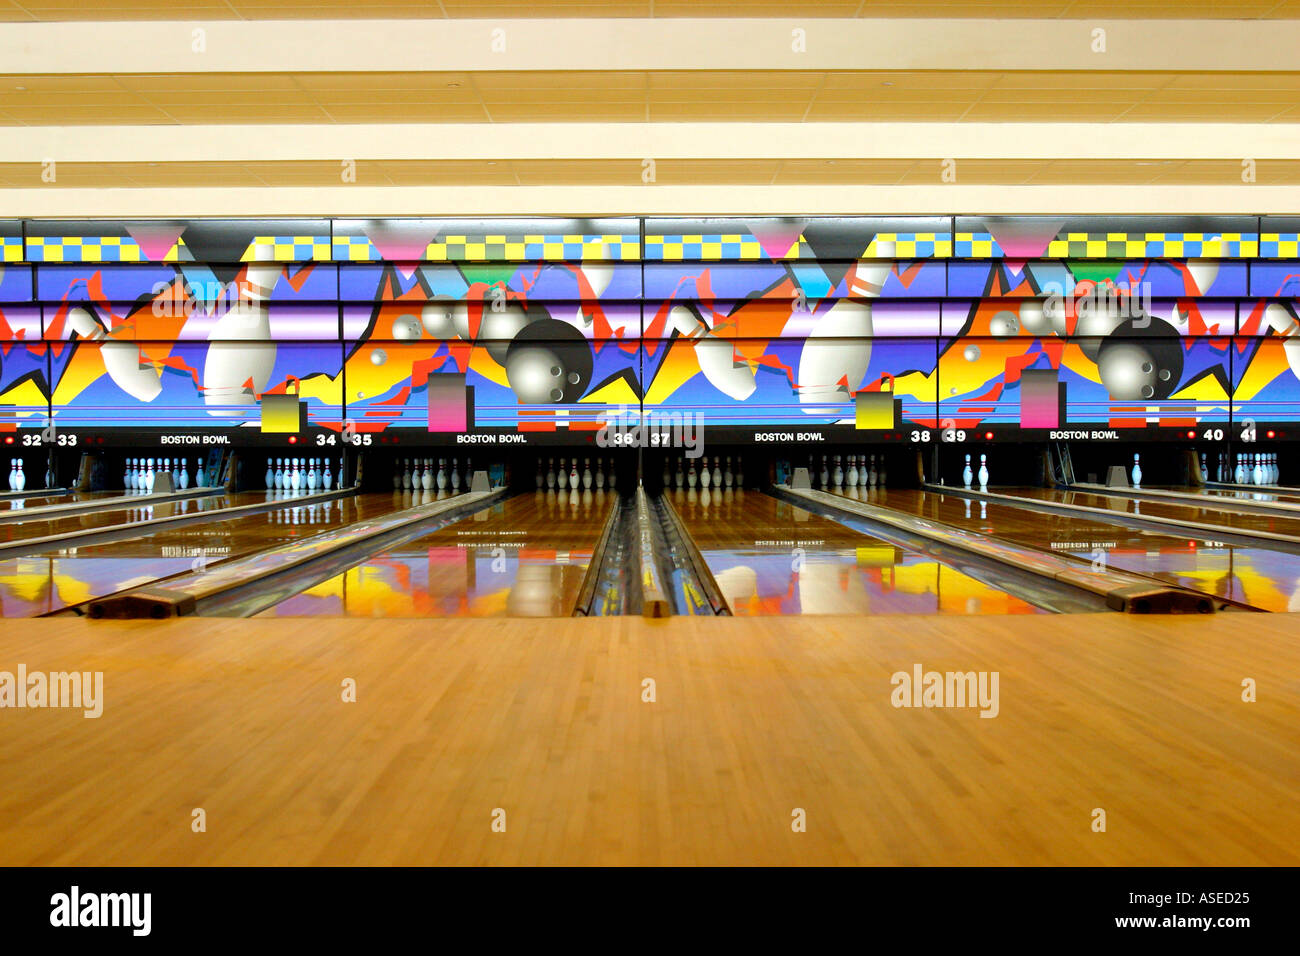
(830, 368)
(984, 473)
(719, 361)
(123, 361)
(241, 354)
(966, 474)
(1137, 472)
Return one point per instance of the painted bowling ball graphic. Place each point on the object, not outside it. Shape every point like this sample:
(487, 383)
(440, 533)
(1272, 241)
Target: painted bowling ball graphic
(548, 362)
(1141, 360)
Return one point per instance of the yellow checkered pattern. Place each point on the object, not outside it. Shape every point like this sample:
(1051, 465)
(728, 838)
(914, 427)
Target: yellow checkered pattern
(1280, 245)
(83, 249)
(291, 248)
(914, 245)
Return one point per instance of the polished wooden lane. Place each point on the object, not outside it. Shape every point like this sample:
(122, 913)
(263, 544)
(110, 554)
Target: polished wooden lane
(772, 557)
(1141, 717)
(1266, 579)
(38, 584)
(524, 557)
(65, 498)
(1203, 513)
(126, 513)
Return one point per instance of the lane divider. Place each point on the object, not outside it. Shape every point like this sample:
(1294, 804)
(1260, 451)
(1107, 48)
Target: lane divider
(189, 593)
(654, 598)
(590, 580)
(1199, 529)
(105, 504)
(1128, 593)
(135, 529)
(1277, 509)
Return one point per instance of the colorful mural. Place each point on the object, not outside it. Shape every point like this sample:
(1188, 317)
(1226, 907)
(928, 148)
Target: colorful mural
(860, 327)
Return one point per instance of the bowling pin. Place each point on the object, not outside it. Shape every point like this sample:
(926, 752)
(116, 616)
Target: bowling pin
(562, 479)
(586, 474)
(679, 480)
(326, 479)
(706, 477)
(880, 476)
(1259, 471)
(825, 475)
(600, 475)
(270, 473)
(690, 475)
(185, 474)
(426, 476)
(613, 475)
(240, 347)
(728, 479)
(851, 475)
(1275, 475)
(873, 476)
(837, 475)
(1205, 474)
(966, 474)
(149, 476)
(442, 474)
(666, 475)
(311, 475)
(22, 476)
(177, 467)
(740, 474)
(406, 474)
(550, 473)
(717, 473)
(1137, 472)
(1239, 473)
(200, 476)
(573, 475)
(984, 473)
(49, 476)
(540, 478)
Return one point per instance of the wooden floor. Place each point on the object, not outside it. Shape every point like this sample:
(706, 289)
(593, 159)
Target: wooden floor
(1139, 716)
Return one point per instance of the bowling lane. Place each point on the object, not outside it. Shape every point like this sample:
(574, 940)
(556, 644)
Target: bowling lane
(66, 498)
(771, 557)
(49, 581)
(1207, 513)
(39, 527)
(1258, 576)
(523, 557)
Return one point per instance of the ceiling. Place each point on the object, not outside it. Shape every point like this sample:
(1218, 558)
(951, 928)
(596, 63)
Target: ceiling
(199, 10)
(587, 96)
(628, 172)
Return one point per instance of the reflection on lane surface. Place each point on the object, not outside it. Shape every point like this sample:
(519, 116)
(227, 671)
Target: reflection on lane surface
(523, 557)
(771, 557)
(126, 513)
(1266, 579)
(1207, 513)
(56, 579)
(67, 498)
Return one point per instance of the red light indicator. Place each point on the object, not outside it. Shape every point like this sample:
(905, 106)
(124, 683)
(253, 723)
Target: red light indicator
(1270, 433)
(9, 439)
(1191, 434)
(988, 436)
(293, 439)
